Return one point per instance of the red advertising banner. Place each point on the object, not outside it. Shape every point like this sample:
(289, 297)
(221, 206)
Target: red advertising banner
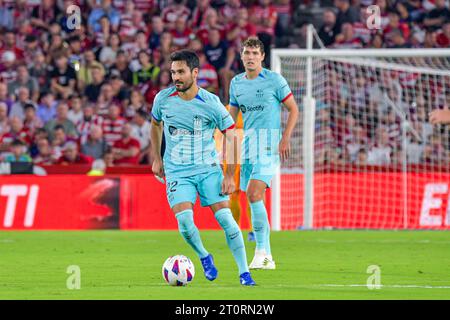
(370, 200)
(138, 202)
(59, 202)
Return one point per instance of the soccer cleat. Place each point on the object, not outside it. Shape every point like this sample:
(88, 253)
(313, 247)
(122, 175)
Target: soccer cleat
(251, 236)
(209, 269)
(246, 279)
(261, 260)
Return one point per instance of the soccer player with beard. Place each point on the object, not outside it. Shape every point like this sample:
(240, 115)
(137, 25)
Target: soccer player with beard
(189, 115)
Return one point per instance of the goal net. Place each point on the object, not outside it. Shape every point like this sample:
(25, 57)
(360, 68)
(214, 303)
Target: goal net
(364, 154)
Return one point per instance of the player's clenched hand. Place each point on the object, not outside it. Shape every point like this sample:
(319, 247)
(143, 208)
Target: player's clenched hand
(440, 116)
(158, 168)
(228, 186)
(284, 148)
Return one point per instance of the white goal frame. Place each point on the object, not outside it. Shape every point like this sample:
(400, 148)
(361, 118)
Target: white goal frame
(310, 111)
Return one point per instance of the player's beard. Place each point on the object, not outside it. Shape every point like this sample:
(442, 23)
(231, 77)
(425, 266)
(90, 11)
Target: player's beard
(185, 87)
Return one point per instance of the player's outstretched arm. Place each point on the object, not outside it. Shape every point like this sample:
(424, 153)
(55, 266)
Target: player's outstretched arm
(440, 116)
(155, 142)
(285, 143)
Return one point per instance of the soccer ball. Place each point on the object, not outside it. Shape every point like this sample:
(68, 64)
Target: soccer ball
(178, 270)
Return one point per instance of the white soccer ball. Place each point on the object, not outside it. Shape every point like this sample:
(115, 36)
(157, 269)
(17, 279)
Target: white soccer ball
(178, 270)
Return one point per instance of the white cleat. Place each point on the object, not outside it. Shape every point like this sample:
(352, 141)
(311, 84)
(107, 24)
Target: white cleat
(261, 260)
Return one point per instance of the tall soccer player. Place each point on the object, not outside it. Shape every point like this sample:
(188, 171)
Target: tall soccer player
(258, 93)
(189, 115)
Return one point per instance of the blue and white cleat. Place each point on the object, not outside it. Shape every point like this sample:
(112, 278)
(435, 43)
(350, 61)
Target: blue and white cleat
(246, 279)
(209, 269)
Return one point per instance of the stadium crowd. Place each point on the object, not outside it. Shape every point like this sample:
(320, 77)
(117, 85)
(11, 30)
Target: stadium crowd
(74, 90)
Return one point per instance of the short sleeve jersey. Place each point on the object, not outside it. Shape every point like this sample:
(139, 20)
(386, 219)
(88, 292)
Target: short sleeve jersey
(189, 129)
(259, 100)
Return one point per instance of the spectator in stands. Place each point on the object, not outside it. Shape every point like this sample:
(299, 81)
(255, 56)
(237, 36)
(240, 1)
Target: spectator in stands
(397, 40)
(170, 14)
(157, 30)
(23, 98)
(92, 90)
(147, 71)
(45, 154)
(136, 103)
(24, 80)
(212, 22)
(443, 37)
(112, 125)
(7, 67)
(239, 30)
(61, 119)
(75, 113)
(96, 145)
(85, 75)
(63, 77)
(71, 155)
(106, 100)
(346, 13)
(106, 9)
(201, 11)
(18, 152)
(229, 12)
(163, 81)
(181, 33)
(221, 56)
(434, 151)
(108, 158)
(347, 38)
(120, 91)
(435, 18)
(380, 152)
(89, 119)
(17, 132)
(31, 121)
(207, 78)
(329, 30)
(4, 121)
(46, 110)
(361, 158)
(9, 43)
(141, 132)
(122, 68)
(6, 17)
(39, 70)
(126, 149)
(264, 17)
(4, 96)
(108, 53)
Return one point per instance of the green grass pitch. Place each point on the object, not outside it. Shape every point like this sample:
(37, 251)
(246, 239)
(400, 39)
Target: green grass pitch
(310, 265)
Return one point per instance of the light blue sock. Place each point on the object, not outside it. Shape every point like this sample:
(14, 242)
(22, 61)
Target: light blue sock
(261, 226)
(234, 237)
(190, 233)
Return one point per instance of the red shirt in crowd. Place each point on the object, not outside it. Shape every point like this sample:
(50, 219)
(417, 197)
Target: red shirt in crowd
(80, 159)
(126, 145)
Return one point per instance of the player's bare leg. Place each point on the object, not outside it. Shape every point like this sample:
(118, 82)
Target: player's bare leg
(185, 217)
(256, 192)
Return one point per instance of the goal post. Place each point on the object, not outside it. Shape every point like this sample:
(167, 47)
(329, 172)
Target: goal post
(363, 153)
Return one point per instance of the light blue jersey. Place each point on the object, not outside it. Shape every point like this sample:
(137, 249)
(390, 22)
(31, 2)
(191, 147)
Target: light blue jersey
(260, 101)
(189, 131)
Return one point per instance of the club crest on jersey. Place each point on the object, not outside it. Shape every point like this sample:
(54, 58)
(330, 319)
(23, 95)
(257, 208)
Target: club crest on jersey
(259, 93)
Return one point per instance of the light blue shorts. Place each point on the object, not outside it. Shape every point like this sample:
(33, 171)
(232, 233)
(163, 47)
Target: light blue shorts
(263, 170)
(208, 185)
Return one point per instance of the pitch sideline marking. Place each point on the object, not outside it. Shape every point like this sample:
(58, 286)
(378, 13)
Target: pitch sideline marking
(385, 286)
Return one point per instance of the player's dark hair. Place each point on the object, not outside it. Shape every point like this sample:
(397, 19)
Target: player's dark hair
(253, 43)
(188, 56)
